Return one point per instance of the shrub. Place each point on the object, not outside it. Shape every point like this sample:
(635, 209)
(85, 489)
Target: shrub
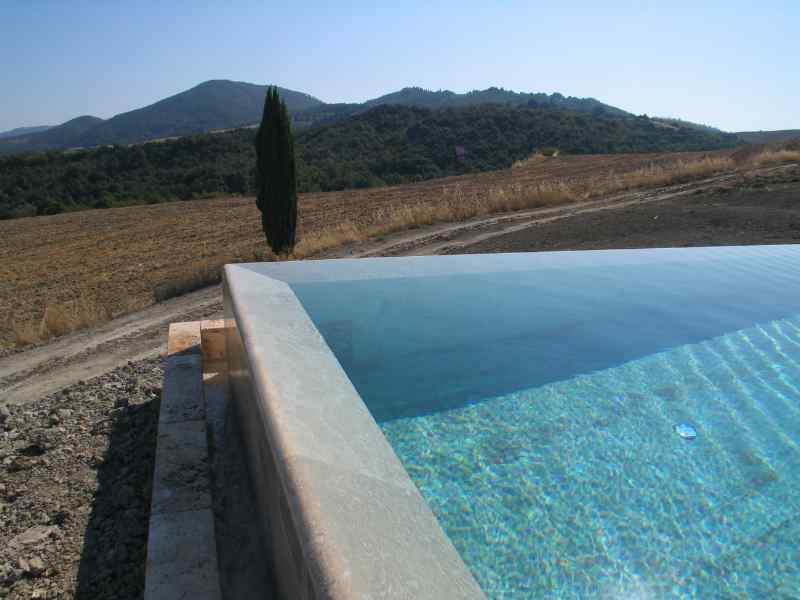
(52, 207)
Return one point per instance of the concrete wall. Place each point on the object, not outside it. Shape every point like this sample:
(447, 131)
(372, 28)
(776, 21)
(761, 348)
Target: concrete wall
(342, 515)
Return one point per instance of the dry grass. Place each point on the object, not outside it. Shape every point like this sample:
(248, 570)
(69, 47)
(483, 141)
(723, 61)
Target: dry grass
(59, 319)
(25, 332)
(337, 235)
(198, 275)
(774, 157)
(533, 159)
(657, 175)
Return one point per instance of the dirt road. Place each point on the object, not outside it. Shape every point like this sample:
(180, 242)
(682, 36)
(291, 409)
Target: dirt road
(759, 206)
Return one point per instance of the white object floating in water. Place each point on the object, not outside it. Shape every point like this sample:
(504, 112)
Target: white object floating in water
(686, 431)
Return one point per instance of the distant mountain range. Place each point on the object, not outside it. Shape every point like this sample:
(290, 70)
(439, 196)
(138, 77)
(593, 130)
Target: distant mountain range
(222, 104)
(23, 131)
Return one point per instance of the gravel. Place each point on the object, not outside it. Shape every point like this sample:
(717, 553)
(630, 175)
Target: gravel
(75, 479)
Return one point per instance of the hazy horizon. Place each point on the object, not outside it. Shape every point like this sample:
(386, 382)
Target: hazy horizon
(730, 65)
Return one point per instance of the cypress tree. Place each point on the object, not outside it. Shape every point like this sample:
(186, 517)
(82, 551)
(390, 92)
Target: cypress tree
(276, 178)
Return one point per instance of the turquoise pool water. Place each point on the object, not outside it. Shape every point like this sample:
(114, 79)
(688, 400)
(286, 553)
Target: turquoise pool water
(536, 410)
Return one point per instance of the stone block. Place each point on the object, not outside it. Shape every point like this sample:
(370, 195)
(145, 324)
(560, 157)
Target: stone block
(182, 557)
(181, 477)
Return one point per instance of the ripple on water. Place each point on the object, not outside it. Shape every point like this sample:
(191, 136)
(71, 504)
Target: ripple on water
(581, 489)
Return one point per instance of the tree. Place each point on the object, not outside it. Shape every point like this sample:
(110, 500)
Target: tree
(276, 178)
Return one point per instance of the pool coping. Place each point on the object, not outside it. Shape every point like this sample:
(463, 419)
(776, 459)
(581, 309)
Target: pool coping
(343, 516)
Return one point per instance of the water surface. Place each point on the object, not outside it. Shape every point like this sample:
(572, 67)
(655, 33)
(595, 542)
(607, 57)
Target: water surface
(536, 412)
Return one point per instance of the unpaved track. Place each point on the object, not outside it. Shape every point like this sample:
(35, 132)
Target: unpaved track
(82, 355)
(31, 374)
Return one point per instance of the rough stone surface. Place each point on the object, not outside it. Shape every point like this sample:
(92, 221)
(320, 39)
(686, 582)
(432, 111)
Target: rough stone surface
(183, 398)
(75, 488)
(181, 480)
(181, 563)
(184, 338)
(33, 536)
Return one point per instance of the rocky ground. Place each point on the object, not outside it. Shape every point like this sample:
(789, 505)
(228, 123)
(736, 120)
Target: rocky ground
(75, 487)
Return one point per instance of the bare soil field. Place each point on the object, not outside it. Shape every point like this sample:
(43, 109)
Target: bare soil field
(754, 208)
(111, 261)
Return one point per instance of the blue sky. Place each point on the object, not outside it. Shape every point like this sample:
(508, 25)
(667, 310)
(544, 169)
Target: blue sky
(731, 64)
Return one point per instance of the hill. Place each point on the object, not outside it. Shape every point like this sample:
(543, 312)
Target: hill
(416, 96)
(395, 144)
(765, 137)
(23, 131)
(222, 104)
(60, 136)
(211, 105)
(422, 98)
(383, 146)
(217, 104)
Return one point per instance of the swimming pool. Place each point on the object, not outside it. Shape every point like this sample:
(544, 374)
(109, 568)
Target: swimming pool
(534, 399)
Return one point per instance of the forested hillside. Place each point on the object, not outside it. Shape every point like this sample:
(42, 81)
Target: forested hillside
(386, 145)
(394, 144)
(422, 98)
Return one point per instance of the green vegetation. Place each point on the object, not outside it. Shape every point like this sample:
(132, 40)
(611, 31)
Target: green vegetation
(422, 98)
(383, 146)
(396, 144)
(276, 177)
